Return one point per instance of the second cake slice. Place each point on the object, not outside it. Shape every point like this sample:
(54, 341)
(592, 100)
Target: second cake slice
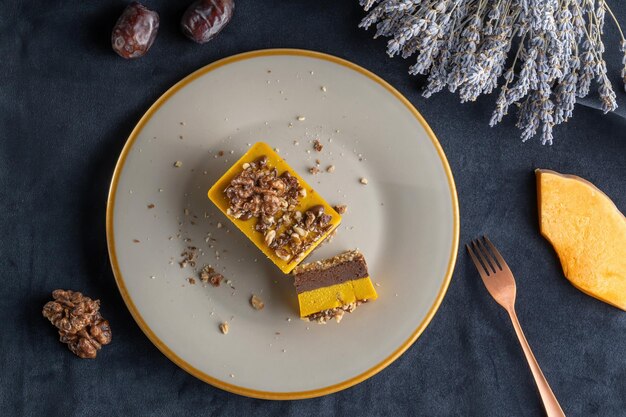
(326, 289)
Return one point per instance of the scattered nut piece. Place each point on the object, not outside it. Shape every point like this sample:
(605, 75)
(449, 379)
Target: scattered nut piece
(314, 170)
(256, 302)
(317, 145)
(191, 280)
(324, 88)
(178, 164)
(341, 208)
(301, 118)
(330, 169)
(363, 181)
(220, 153)
(151, 206)
(283, 254)
(300, 231)
(208, 274)
(189, 257)
(269, 236)
(219, 225)
(224, 327)
(136, 240)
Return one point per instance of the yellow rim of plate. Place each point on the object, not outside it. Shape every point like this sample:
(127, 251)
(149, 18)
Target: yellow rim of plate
(178, 360)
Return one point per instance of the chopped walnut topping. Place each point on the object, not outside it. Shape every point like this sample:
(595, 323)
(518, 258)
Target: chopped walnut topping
(317, 145)
(256, 302)
(259, 191)
(341, 208)
(224, 327)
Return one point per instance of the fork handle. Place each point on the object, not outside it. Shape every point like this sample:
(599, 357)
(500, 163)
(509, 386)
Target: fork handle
(553, 409)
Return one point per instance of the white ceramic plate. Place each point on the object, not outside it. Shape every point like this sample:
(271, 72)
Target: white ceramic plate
(405, 221)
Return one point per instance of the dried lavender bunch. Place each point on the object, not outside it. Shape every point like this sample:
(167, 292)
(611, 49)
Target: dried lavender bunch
(465, 45)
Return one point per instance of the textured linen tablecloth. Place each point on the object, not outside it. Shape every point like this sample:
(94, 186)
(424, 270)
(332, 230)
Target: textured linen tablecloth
(68, 103)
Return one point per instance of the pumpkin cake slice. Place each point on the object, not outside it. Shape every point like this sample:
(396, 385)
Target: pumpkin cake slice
(327, 289)
(274, 207)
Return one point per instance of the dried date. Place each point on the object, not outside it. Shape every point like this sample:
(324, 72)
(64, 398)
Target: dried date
(204, 19)
(135, 31)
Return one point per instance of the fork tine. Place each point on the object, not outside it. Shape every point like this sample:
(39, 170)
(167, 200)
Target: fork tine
(496, 254)
(488, 267)
(485, 250)
(481, 269)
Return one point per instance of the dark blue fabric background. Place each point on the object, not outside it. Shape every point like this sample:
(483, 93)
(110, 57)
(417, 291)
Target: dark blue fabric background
(67, 105)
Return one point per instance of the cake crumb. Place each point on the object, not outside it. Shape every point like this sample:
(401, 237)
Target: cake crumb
(220, 153)
(363, 181)
(330, 169)
(151, 206)
(317, 145)
(224, 329)
(296, 143)
(191, 280)
(136, 241)
(301, 118)
(189, 257)
(232, 375)
(378, 284)
(219, 225)
(208, 274)
(314, 170)
(341, 208)
(178, 164)
(324, 88)
(256, 302)
(180, 137)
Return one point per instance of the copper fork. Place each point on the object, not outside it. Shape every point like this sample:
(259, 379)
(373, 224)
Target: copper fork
(500, 283)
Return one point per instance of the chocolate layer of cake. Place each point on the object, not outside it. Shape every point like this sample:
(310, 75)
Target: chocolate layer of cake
(345, 267)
